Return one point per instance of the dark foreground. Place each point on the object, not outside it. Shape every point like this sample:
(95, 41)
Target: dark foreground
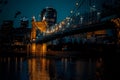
(94, 64)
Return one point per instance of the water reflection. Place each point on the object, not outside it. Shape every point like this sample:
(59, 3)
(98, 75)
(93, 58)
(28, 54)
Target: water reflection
(10, 68)
(60, 69)
(37, 49)
(40, 68)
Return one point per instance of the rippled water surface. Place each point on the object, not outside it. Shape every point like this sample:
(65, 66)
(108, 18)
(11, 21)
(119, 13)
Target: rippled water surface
(41, 68)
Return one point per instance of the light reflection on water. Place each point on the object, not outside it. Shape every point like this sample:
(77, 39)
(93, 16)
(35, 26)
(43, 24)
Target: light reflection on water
(39, 68)
(37, 49)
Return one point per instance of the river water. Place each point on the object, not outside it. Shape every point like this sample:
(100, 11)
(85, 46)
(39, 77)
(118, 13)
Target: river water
(41, 68)
(58, 68)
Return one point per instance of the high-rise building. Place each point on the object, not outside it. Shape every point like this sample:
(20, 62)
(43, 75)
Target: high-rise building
(50, 15)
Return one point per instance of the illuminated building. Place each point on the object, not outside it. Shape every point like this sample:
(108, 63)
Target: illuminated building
(50, 15)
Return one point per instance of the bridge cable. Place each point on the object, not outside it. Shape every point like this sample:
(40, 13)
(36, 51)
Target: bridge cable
(76, 9)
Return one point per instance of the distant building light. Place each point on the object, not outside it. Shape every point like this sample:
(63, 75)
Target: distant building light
(98, 13)
(81, 19)
(60, 26)
(71, 19)
(43, 17)
(67, 18)
(68, 23)
(71, 11)
(34, 18)
(93, 6)
(33, 39)
(24, 19)
(76, 3)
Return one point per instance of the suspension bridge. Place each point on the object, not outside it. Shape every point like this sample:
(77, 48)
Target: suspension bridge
(93, 20)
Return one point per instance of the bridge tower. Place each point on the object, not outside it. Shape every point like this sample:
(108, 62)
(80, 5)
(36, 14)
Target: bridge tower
(33, 32)
(40, 25)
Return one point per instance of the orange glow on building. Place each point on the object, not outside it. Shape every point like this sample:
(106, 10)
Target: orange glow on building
(33, 32)
(116, 21)
(42, 26)
(89, 35)
(33, 47)
(44, 46)
(100, 32)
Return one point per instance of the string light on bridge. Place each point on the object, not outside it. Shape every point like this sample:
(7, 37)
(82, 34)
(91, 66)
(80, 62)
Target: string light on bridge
(77, 4)
(71, 11)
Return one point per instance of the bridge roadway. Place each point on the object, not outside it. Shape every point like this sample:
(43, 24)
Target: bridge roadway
(77, 30)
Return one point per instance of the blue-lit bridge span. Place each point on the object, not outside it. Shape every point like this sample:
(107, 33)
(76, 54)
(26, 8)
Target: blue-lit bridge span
(81, 22)
(79, 29)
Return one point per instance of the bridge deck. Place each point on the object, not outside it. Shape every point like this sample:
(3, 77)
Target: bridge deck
(77, 30)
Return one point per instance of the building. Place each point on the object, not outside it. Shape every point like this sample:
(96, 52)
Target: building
(24, 22)
(14, 38)
(6, 34)
(21, 37)
(6, 30)
(50, 15)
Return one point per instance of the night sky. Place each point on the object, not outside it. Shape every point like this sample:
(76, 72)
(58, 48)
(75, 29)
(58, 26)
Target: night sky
(29, 8)
(16, 9)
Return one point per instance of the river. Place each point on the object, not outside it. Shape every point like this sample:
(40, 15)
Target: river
(39, 67)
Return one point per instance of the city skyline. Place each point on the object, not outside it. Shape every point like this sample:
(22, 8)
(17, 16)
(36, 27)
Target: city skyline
(15, 10)
(33, 8)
